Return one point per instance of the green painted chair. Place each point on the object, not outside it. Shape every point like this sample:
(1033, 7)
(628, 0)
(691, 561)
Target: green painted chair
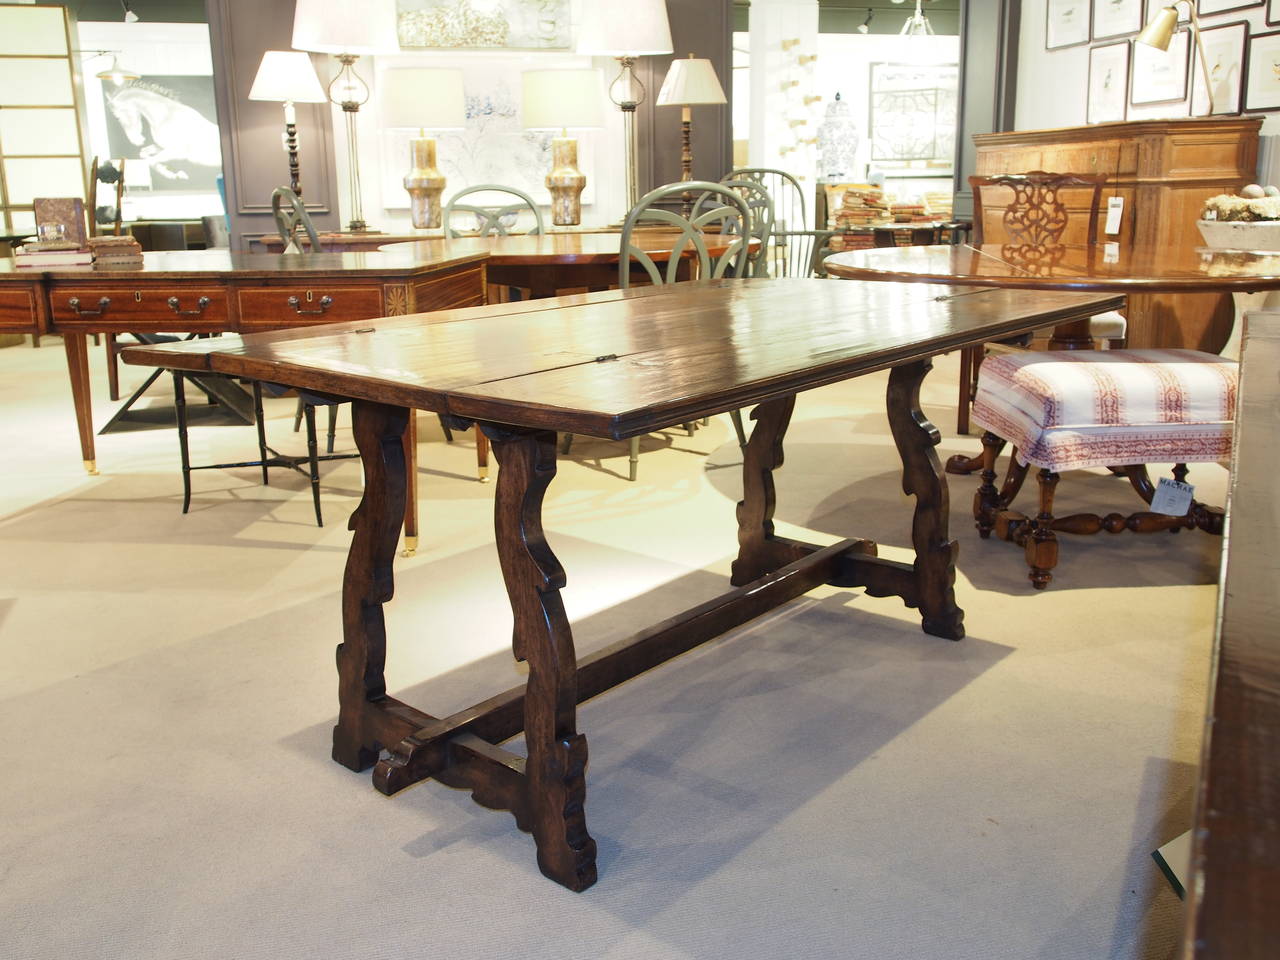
(491, 218)
(719, 208)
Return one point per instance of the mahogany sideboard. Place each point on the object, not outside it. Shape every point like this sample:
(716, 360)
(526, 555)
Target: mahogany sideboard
(1164, 170)
(217, 291)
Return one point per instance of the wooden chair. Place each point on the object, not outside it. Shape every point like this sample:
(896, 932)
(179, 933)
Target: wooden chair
(1076, 409)
(760, 227)
(1033, 226)
(718, 205)
(794, 250)
(491, 218)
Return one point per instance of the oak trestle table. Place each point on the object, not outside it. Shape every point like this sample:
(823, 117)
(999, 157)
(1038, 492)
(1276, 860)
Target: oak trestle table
(612, 365)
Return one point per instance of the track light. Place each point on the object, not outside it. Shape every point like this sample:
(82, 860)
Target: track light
(865, 25)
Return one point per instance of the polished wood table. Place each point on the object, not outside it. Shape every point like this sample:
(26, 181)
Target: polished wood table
(616, 365)
(216, 291)
(546, 263)
(1234, 888)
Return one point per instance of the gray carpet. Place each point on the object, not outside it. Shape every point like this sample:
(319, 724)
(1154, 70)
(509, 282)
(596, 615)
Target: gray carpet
(827, 782)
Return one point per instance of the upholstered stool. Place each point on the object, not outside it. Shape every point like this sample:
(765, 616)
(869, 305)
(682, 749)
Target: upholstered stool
(1073, 409)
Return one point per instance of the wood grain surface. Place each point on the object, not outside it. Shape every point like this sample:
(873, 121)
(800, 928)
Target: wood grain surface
(621, 364)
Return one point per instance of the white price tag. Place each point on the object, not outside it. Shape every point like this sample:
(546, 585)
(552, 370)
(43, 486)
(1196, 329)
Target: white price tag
(1111, 252)
(1115, 207)
(1172, 497)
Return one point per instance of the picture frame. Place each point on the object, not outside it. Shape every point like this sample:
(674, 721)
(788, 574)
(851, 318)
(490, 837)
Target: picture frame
(1154, 6)
(1272, 16)
(1108, 82)
(1224, 56)
(1208, 8)
(1160, 76)
(1066, 23)
(1116, 18)
(1262, 73)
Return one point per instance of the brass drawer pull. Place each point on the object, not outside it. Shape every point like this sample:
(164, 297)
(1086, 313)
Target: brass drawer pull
(200, 305)
(325, 303)
(103, 303)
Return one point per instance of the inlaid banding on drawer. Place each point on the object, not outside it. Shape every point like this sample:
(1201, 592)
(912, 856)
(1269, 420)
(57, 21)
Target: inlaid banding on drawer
(264, 308)
(19, 310)
(109, 308)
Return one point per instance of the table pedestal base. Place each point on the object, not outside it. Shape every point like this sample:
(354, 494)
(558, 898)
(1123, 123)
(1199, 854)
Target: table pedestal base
(546, 792)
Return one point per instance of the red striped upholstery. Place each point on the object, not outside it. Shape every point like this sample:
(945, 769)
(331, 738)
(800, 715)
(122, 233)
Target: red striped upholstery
(1093, 408)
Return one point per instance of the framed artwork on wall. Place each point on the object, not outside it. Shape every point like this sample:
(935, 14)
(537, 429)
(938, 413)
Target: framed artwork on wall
(1108, 82)
(1273, 13)
(1160, 76)
(1262, 72)
(1116, 18)
(1224, 57)
(1155, 6)
(1208, 7)
(1066, 23)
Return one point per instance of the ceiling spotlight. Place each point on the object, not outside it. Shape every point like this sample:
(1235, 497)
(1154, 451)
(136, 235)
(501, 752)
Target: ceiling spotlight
(865, 25)
(129, 15)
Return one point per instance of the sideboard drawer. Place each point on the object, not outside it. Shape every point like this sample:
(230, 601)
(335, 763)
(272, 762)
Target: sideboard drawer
(263, 308)
(19, 311)
(108, 307)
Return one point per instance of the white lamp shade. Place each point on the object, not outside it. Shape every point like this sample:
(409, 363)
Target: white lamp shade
(345, 26)
(690, 82)
(556, 99)
(418, 97)
(285, 75)
(624, 28)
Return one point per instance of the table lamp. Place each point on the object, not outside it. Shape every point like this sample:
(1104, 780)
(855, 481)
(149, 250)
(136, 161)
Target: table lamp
(689, 83)
(288, 77)
(563, 100)
(428, 100)
(1159, 34)
(626, 29)
(347, 30)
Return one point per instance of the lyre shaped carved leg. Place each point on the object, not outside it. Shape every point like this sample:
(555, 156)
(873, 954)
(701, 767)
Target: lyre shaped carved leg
(758, 552)
(922, 477)
(555, 774)
(368, 583)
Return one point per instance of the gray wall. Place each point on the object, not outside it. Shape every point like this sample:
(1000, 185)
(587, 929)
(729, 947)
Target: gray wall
(988, 77)
(253, 162)
(705, 29)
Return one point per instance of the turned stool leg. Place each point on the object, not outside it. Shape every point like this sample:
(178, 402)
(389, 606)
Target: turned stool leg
(1042, 543)
(987, 500)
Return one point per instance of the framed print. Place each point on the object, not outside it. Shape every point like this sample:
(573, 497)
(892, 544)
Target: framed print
(1224, 58)
(1066, 23)
(1273, 13)
(1208, 7)
(1155, 6)
(1262, 72)
(1116, 18)
(1160, 76)
(1108, 82)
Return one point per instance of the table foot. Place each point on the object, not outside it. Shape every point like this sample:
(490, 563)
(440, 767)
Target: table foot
(91, 467)
(368, 584)
(922, 477)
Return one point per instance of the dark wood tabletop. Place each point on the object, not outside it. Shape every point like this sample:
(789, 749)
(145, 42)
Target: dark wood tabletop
(1103, 267)
(1233, 897)
(556, 248)
(636, 362)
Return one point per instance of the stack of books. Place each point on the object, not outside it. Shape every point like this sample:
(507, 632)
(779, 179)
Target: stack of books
(116, 252)
(862, 207)
(909, 213)
(53, 253)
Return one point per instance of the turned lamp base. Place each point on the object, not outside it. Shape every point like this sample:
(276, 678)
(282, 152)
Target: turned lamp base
(566, 182)
(424, 183)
